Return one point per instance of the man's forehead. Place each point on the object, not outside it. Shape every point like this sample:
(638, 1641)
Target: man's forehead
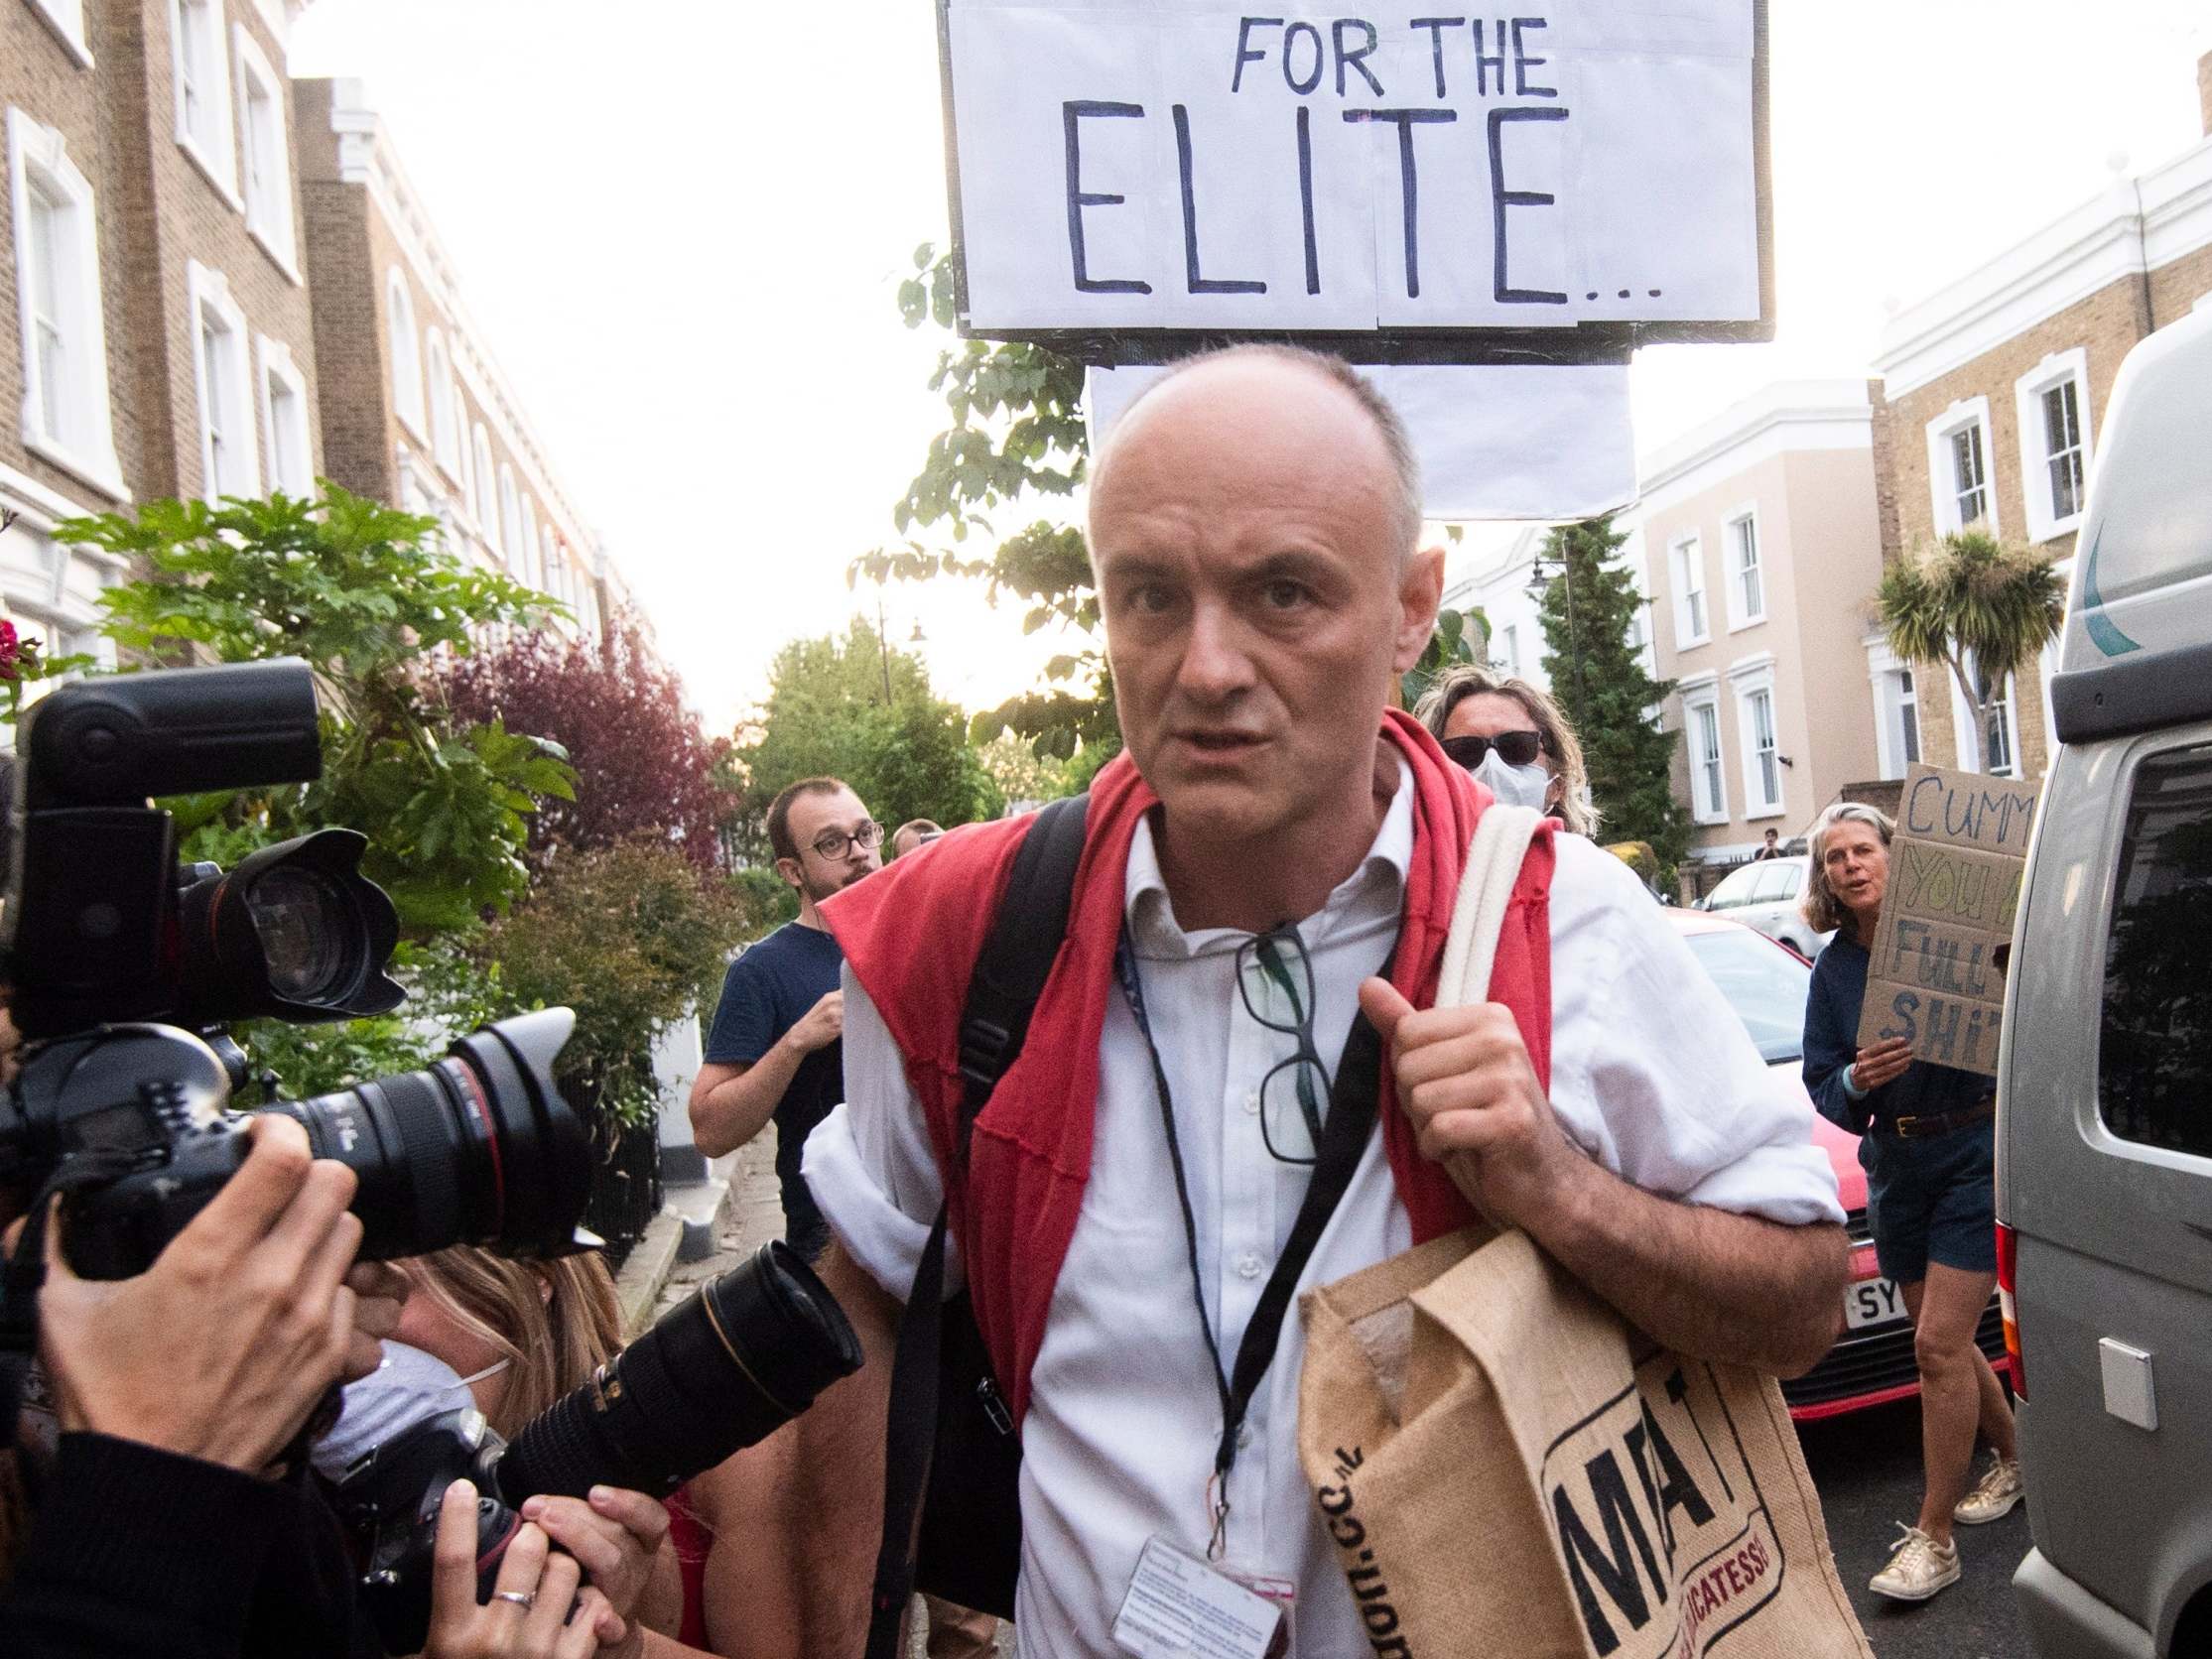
(1243, 433)
(821, 808)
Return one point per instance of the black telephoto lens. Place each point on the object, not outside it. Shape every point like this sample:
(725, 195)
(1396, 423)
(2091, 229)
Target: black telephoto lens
(726, 1367)
(478, 1149)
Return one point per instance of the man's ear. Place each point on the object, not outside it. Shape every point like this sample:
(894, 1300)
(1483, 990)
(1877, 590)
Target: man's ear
(793, 872)
(1421, 587)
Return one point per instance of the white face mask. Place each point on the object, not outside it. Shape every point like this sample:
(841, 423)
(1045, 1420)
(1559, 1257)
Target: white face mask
(1516, 786)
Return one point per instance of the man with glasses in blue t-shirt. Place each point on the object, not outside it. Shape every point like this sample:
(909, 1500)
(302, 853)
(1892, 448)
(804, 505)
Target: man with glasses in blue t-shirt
(774, 1051)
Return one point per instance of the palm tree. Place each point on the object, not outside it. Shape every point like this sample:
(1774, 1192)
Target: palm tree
(1982, 606)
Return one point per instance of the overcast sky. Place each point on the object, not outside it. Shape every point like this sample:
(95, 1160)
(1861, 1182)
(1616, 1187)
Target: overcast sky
(681, 225)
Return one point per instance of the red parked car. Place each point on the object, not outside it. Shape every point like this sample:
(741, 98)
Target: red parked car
(1872, 1362)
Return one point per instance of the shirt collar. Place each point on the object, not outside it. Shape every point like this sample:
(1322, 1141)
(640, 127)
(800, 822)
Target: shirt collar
(1373, 892)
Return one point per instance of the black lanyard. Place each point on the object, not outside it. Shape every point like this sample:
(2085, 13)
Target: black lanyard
(1352, 1100)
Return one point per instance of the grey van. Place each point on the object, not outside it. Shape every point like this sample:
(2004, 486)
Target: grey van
(2104, 1128)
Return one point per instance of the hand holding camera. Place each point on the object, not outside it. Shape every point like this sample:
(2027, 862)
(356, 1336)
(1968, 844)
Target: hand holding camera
(223, 1347)
(534, 1610)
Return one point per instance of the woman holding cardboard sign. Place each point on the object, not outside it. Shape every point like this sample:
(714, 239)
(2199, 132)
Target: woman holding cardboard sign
(1928, 1146)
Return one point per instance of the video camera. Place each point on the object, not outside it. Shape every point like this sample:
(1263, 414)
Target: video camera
(124, 969)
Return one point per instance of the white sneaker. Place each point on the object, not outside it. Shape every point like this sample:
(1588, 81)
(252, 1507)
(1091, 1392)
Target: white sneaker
(1918, 1568)
(1994, 1495)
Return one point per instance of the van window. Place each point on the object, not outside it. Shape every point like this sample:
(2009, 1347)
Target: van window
(2154, 1068)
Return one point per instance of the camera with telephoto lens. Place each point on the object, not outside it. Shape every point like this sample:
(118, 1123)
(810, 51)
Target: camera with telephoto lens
(734, 1362)
(124, 969)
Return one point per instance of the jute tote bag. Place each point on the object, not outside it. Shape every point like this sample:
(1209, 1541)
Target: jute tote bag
(1511, 1472)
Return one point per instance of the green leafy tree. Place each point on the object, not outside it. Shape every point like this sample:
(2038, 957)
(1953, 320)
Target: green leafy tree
(631, 936)
(1459, 636)
(1016, 443)
(861, 709)
(1024, 775)
(365, 595)
(1589, 614)
(1982, 608)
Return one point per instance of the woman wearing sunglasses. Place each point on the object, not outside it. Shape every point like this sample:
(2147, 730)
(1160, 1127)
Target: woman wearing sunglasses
(1514, 739)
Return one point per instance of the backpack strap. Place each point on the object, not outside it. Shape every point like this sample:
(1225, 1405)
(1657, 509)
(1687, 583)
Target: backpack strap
(1002, 991)
(1017, 955)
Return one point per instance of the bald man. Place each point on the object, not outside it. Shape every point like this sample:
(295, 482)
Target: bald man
(1275, 839)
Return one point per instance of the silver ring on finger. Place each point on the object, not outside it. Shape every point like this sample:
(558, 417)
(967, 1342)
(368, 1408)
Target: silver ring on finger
(523, 1599)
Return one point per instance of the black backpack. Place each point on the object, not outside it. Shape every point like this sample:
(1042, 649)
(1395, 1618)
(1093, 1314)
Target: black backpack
(959, 1537)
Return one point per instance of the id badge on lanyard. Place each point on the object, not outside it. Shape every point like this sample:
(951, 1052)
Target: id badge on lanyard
(1180, 1606)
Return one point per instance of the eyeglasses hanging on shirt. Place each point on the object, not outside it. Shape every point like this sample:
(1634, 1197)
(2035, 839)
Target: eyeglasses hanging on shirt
(1274, 974)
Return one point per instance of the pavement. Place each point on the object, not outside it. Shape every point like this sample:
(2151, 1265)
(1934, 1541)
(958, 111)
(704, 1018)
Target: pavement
(1867, 1467)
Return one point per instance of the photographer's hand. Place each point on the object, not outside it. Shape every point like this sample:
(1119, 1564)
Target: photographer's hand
(222, 1347)
(529, 1615)
(616, 1537)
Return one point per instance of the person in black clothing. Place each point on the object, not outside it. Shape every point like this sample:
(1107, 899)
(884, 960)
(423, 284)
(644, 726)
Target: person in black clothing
(774, 1052)
(161, 1521)
(158, 1525)
(1928, 1145)
(1771, 847)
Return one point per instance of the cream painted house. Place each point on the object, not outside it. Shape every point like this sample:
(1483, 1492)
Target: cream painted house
(1760, 544)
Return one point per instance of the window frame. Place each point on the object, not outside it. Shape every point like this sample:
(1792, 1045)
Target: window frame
(276, 367)
(510, 514)
(270, 217)
(214, 150)
(443, 391)
(1747, 687)
(1740, 615)
(207, 294)
(66, 18)
(403, 327)
(1975, 759)
(2059, 369)
(84, 448)
(1705, 698)
(1685, 558)
(483, 495)
(525, 554)
(1509, 637)
(1943, 493)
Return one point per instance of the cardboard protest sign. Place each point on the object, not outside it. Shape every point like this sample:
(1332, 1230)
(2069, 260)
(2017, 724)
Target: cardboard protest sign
(1955, 872)
(1144, 174)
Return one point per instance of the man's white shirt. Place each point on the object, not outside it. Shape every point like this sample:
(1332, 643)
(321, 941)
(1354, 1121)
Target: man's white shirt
(1652, 1076)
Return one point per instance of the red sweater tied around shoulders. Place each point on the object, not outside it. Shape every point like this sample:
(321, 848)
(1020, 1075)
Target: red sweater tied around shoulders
(911, 935)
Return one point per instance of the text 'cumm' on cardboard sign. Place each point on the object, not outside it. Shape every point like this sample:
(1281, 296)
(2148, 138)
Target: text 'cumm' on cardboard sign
(1937, 972)
(1128, 169)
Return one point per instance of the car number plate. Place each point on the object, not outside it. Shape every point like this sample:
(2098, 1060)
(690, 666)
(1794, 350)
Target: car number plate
(1872, 1302)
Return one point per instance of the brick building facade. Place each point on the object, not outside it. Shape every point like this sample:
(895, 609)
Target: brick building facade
(415, 410)
(165, 344)
(1993, 389)
(208, 265)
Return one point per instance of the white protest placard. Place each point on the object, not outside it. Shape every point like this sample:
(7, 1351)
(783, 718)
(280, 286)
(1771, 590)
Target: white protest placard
(1149, 165)
(1493, 441)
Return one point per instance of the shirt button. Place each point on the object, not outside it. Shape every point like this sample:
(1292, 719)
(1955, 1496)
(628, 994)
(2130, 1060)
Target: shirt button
(1243, 1437)
(1252, 1102)
(1249, 1265)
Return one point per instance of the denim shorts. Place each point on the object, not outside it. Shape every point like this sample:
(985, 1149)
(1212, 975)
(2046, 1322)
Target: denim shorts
(1932, 1199)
